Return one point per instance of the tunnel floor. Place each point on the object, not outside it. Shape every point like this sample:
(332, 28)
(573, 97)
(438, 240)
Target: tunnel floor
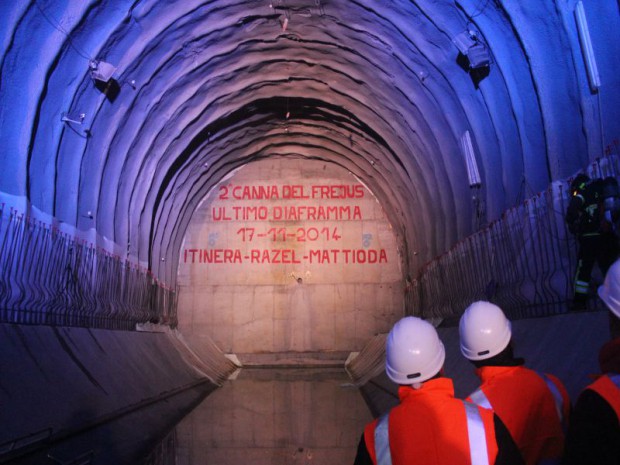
(263, 416)
(129, 438)
(275, 416)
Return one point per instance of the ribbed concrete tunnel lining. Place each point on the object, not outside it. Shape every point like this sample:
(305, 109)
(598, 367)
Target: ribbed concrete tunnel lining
(393, 66)
(202, 89)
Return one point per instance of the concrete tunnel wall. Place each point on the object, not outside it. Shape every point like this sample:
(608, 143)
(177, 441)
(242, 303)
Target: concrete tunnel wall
(58, 382)
(199, 89)
(202, 88)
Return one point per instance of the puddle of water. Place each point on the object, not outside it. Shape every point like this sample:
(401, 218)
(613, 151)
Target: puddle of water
(275, 417)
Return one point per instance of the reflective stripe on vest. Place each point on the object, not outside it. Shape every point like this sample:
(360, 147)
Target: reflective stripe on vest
(478, 450)
(479, 398)
(557, 395)
(582, 287)
(477, 437)
(382, 441)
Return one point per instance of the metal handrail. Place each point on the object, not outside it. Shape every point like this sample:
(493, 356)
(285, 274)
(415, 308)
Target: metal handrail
(525, 261)
(49, 277)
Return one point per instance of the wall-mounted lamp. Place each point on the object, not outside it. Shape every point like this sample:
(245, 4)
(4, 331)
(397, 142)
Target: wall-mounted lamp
(475, 50)
(73, 117)
(470, 160)
(101, 70)
(130, 82)
(586, 47)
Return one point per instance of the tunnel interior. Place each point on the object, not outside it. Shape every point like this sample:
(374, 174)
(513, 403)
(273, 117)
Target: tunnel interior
(389, 159)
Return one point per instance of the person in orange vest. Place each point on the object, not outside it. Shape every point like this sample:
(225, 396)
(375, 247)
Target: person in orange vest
(594, 432)
(534, 406)
(430, 426)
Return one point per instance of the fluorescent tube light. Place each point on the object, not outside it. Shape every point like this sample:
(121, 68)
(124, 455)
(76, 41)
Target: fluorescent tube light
(586, 47)
(470, 160)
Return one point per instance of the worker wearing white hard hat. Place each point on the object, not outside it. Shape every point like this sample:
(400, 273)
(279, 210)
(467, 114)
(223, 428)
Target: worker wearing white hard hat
(430, 426)
(534, 406)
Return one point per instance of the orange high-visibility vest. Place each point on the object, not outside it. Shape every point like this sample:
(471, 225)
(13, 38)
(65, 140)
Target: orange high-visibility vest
(431, 427)
(608, 387)
(533, 406)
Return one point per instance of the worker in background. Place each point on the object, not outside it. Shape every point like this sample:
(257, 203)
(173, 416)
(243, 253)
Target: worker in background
(534, 406)
(594, 433)
(430, 426)
(596, 237)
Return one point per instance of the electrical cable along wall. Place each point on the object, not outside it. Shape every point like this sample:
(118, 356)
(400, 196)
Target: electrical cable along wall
(50, 277)
(524, 262)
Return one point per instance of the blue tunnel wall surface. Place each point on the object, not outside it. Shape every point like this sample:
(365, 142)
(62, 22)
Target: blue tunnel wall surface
(200, 88)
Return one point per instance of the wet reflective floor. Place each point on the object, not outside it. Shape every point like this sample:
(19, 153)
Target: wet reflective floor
(280, 416)
(143, 434)
(275, 417)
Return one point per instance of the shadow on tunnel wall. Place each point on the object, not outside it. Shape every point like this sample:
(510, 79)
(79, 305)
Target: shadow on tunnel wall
(477, 74)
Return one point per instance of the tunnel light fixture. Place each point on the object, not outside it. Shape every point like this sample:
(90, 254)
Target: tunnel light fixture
(464, 41)
(586, 47)
(101, 70)
(479, 56)
(74, 117)
(473, 48)
(470, 160)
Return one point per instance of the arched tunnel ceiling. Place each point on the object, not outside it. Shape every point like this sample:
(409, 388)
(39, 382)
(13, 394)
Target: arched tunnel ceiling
(203, 87)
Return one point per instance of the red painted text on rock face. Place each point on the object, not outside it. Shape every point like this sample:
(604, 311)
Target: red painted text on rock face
(287, 213)
(284, 256)
(305, 224)
(290, 192)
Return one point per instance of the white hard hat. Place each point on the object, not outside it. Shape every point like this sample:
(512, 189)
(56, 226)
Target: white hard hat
(484, 331)
(609, 292)
(414, 352)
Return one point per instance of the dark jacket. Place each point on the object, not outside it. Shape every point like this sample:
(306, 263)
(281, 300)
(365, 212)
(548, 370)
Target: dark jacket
(594, 432)
(584, 214)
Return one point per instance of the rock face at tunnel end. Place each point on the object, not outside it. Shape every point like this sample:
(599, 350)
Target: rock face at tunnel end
(289, 256)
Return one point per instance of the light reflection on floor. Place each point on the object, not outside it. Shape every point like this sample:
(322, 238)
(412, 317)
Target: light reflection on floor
(275, 417)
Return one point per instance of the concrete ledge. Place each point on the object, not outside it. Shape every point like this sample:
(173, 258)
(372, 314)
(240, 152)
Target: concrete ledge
(320, 359)
(57, 380)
